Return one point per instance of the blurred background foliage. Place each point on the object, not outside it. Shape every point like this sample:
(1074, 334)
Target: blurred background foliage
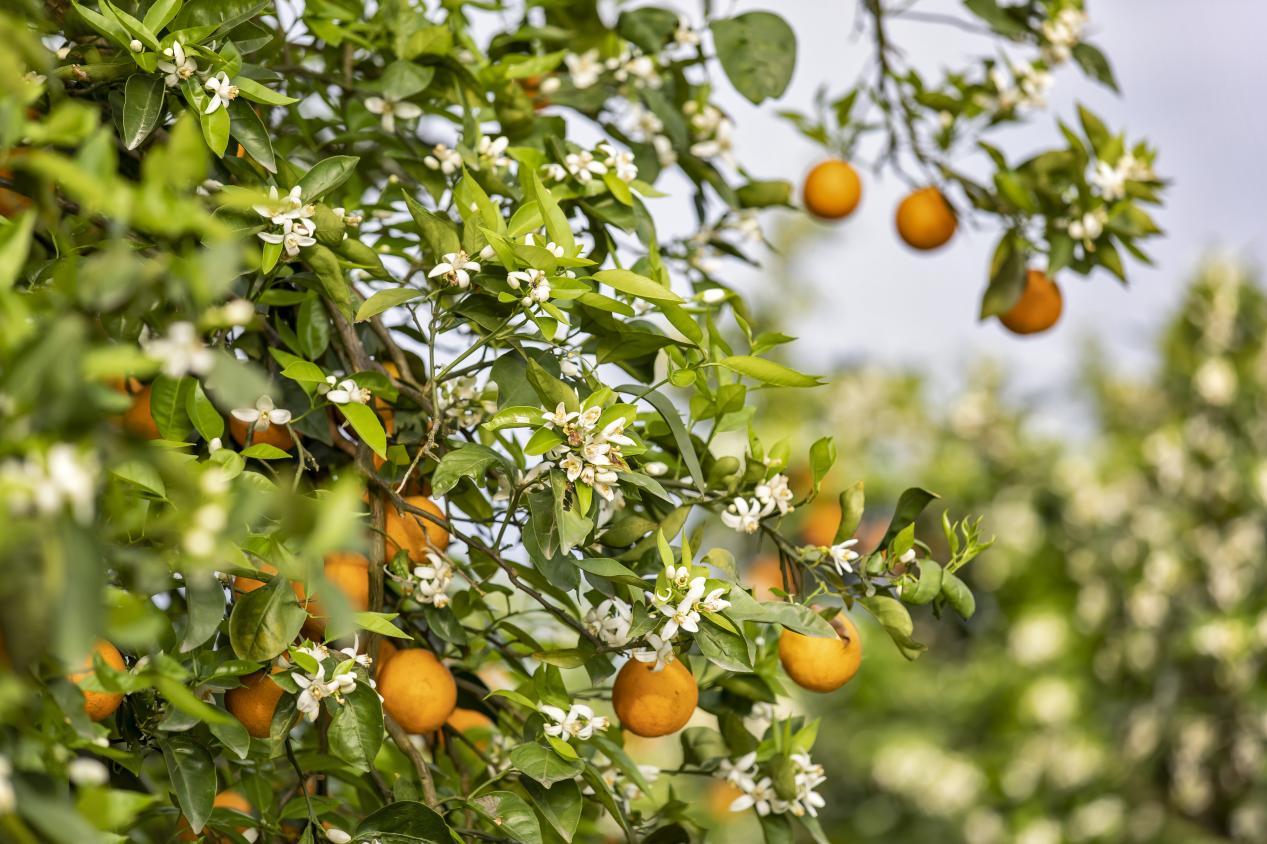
(1109, 686)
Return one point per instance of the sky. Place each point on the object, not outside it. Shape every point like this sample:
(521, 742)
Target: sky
(1191, 76)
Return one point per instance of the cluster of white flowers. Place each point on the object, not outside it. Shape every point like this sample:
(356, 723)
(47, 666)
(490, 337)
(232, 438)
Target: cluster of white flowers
(1062, 32)
(586, 69)
(263, 415)
(681, 603)
(346, 391)
(588, 454)
(448, 161)
(64, 476)
(1111, 179)
(293, 215)
(578, 722)
(1088, 227)
(584, 165)
(532, 283)
(1026, 86)
(759, 792)
(466, 401)
(429, 583)
(745, 514)
(456, 269)
(388, 108)
(492, 152)
(644, 124)
(618, 784)
(182, 351)
(316, 687)
(177, 65)
(712, 131)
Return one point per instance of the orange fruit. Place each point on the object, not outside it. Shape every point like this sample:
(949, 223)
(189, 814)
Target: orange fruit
(254, 702)
(386, 650)
(415, 534)
(350, 574)
(821, 522)
(720, 795)
(137, 419)
(654, 703)
(832, 190)
(244, 584)
(1039, 307)
(226, 799)
(463, 720)
(418, 691)
(820, 663)
(274, 435)
(925, 220)
(100, 705)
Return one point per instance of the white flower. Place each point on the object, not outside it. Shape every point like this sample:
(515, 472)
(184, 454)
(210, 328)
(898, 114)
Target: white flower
(1089, 227)
(222, 91)
(621, 162)
(349, 392)
(1034, 84)
(447, 161)
(85, 771)
(314, 691)
(135, 45)
(291, 207)
(568, 365)
(642, 69)
(431, 581)
(585, 69)
(337, 836)
(493, 151)
(775, 491)
(456, 269)
(296, 235)
(656, 468)
(843, 555)
(182, 351)
(263, 415)
(214, 445)
(583, 166)
(560, 416)
(609, 622)
(573, 465)
(665, 153)
(388, 108)
(907, 557)
(1110, 180)
(684, 616)
(179, 67)
(745, 515)
(578, 722)
(714, 602)
(720, 144)
(685, 34)
(555, 172)
(658, 651)
(238, 311)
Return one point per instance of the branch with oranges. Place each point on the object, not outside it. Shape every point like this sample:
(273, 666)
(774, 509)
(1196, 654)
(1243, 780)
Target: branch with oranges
(1078, 207)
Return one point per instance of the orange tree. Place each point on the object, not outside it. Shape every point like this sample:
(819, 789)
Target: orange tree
(360, 430)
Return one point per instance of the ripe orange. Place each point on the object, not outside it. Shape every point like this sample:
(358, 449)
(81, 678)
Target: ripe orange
(821, 522)
(415, 534)
(463, 720)
(254, 702)
(764, 576)
(137, 419)
(226, 799)
(925, 220)
(654, 703)
(720, 795)
(832, 190)
(1039, 307)
(386, 650)
(274, 435)
(350, 574)
(822, 664)
(100, 705)
(418, 691)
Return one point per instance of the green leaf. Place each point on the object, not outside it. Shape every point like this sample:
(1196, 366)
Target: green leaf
(510, 814)
(15, 242)
(356, 730)
(252, 134)
(367, 426)
(822, 456)
(471, 460)
(264, 622)
(161, 13)
(254, 91)
(1007, 276)
(551, 390)
(560, 804)
(909, 505)
(264, 451)
(206, 419)
(725, 649)
(758, 52)
(334, 282)
(404, 822)
(1094, 64)
(958, 595)
(168, 400)
(637, 285)
(896, 621)
(556, 222)
(928, 587)
(609, 568)
(380, 623)
(193, 778)
(543, 765)
(516, 416)
(385, 300)
(438, 231)
(768, 372)
(327, 175)
(852, 502)
(204, 603)
(143, 99)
